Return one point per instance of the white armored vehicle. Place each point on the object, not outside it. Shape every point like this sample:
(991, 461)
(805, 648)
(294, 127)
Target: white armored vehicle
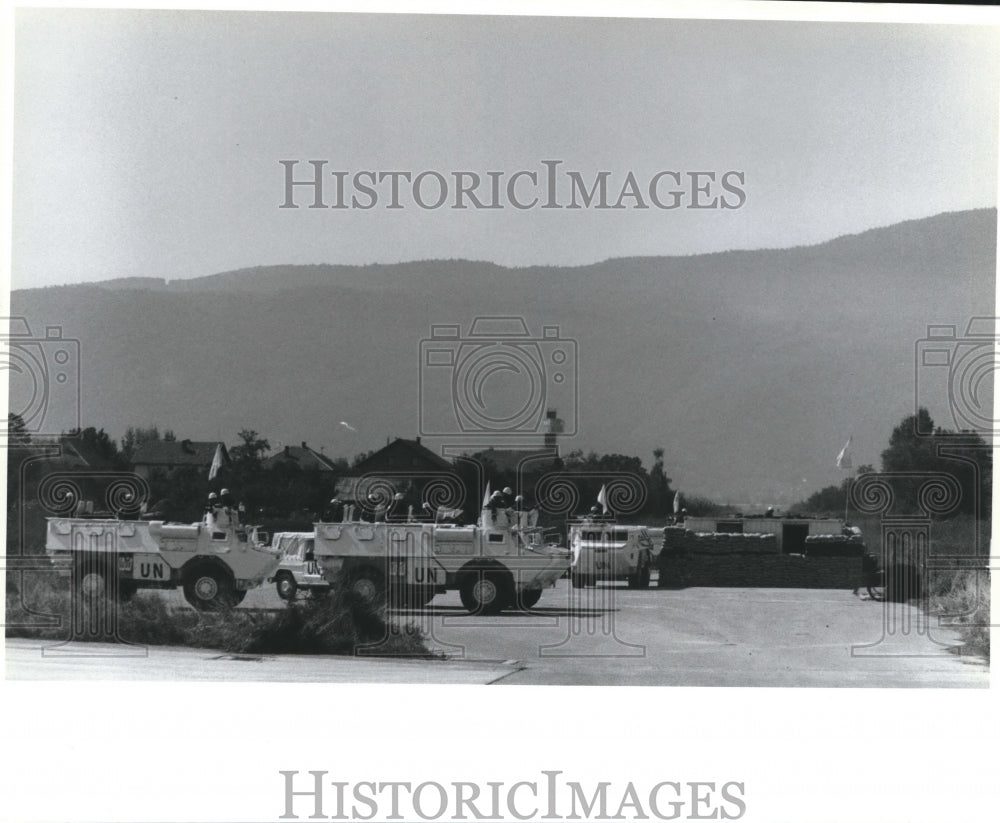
(215, 565)
(502, 563)
(611, 551)
(298, 569)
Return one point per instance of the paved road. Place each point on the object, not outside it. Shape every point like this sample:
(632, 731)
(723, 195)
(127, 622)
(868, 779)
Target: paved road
(604, 636)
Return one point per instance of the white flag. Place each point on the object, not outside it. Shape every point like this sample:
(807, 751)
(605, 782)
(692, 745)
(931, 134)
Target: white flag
(677, 503)
(216, 462)
(602, 498)
(486, 497)
(844, 458)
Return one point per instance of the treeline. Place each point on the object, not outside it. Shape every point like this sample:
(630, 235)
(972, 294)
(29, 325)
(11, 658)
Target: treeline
(284, 496)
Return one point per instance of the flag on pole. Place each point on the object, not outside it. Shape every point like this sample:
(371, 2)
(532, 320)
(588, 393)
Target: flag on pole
(216, 462)
(486, 497)
(844, 458)
(677, 502)
(602, 498)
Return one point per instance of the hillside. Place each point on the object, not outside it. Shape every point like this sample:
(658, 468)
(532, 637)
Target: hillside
(748, 367)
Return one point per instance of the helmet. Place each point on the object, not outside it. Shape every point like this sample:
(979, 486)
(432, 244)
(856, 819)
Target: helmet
(334, 501)
(212, 496)
(507, 490)
(519, 499)
(225, 491)
(397, 496)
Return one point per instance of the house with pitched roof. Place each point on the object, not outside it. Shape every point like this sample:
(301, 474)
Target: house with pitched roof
(301, 457)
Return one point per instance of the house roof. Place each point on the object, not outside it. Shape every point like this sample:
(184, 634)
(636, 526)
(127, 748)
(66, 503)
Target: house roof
(403, 454)
(303, 457)
(178, 453)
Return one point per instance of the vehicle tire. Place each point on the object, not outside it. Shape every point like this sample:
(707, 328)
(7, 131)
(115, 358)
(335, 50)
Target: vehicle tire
(368, 584)
(484, 592)
(239, 597)
(528, 598)
(286, 586)
(209, 589)
(90, 578)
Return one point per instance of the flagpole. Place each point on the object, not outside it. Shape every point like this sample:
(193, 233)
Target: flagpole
(844, 462)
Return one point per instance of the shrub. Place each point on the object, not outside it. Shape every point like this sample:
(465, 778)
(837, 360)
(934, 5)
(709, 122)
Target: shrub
(338, 624)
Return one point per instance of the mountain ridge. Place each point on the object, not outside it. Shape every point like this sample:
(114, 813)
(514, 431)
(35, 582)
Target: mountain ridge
(749, 367)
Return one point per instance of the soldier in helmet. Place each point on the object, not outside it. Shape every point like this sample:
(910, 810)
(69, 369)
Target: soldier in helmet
(224, 512)
(211, 507)
(334, 512)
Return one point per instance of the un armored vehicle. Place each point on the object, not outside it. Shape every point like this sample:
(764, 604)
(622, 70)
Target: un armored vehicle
(298, 569)
(504, 562)
(215, 566)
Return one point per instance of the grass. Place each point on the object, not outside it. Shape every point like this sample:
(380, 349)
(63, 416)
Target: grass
(962, 595)
(341, 624)
(963, 599)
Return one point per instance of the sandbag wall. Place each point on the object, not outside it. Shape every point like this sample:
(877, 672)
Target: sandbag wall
(753, 560)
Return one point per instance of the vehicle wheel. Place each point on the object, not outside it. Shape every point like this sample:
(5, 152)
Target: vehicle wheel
(484, 592)
(368, 584)
(90, 579)
(209, 589)
(528, 598)
(286, 586)
(91, 584)
(239, 597)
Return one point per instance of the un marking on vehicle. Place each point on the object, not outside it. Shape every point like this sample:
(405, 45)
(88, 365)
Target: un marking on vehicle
(150, 569)
(428, 574)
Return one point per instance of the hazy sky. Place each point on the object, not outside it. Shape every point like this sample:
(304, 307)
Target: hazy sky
(148, 143)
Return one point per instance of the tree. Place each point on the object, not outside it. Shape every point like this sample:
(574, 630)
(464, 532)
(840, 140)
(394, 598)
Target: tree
(17, 430)
(964, 456)
(249, 453)
(134, 437)
(660, 496)
(97, 442)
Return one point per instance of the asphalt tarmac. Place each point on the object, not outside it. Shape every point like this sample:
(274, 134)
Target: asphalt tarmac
(597, 636)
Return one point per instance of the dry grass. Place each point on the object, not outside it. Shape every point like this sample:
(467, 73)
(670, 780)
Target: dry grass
(342, 624)
(962, 600)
